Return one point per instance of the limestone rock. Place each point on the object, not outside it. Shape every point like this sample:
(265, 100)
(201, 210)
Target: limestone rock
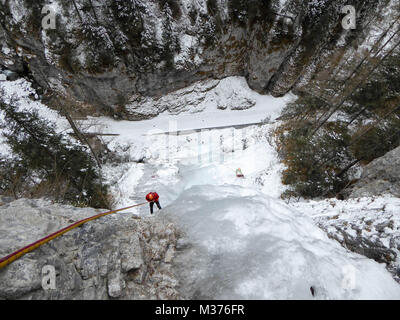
(122, 54)
(115, 257)
(381, 176)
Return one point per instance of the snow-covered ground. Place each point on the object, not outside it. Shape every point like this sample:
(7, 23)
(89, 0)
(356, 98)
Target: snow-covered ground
(246, 242)
(370, 225)
(206, 104)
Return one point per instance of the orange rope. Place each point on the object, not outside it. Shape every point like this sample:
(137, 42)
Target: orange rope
(17, 254)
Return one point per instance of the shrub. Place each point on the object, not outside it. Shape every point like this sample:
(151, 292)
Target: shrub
(374, 142)
(305, 105)
(313, 164)
(363, 128)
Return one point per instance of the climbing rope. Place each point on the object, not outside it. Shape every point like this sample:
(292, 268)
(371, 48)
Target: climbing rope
(18, 254)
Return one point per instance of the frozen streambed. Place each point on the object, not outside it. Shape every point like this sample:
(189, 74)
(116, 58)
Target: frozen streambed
(241, 244)
(241, 241)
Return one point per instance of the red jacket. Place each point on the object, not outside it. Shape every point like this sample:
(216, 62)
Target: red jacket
(155, 197)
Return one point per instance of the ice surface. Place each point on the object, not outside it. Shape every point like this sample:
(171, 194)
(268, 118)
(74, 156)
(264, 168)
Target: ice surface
(246, 245)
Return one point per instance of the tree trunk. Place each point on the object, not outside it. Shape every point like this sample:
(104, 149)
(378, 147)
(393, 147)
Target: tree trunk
(81, 136)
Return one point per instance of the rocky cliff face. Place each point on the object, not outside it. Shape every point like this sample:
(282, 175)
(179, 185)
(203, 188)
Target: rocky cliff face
(116, 257)
(116, 54)
(380, 177)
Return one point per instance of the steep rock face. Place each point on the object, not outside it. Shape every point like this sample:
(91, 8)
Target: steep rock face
(381, 176)
(116, 257)
(108, 53)
(231, 93)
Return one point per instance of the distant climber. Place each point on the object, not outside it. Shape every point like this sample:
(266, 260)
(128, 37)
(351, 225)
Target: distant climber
(152, 198)
(239, 173)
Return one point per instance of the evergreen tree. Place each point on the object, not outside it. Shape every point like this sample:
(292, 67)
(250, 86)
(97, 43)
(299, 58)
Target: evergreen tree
(44, 158)
(319, 164)
(170, 42)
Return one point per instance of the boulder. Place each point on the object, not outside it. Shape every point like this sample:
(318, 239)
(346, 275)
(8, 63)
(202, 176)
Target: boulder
(380, 177)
